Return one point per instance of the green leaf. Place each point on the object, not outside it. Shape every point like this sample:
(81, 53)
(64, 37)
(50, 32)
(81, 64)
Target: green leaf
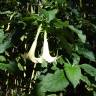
(48, 15)
(4, 46)
(2, 58)
(44, 64)
(73, 73)
(76, 59)
(52, 14)
(4, 66)
(86, 80)
(54, 67)
(81, 36)
(52, 95)
(60, 24)
(87, 53)
(94, 93)
(60, 1)
(21, 68)
(10, 67)
(53, 82)
(60, 60)
(5, 12)
(89, 69)
(32, 18)
(1, 35)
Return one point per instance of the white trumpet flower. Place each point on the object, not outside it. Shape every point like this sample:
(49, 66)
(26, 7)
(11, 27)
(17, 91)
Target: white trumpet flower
(31, 53)
(46, 54)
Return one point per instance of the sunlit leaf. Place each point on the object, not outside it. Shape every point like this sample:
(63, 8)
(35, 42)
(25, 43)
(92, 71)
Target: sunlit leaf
(73, 73)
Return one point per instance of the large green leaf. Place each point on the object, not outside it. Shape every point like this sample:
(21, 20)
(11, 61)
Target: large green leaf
(80, 34)
(89, 69)
(53, 82)
(73, 73)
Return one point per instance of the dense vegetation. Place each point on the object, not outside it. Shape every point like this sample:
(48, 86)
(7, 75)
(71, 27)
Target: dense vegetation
(67, 68)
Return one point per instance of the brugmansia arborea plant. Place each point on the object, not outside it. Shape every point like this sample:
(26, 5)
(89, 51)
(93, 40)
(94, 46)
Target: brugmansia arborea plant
(45, 56)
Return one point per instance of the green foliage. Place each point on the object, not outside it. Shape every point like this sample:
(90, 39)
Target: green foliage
(4, 66)
(53, 82)
(47, 16)
(2, 58)
(71, 29)
(81, 36)
(94, 93)
(4, 46)
(86, 53)
(11, 67)
(73, 73)
(89, 69)
(1, 35)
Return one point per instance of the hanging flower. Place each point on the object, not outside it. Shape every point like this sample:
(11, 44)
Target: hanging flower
(31, 53)
(45, 56)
